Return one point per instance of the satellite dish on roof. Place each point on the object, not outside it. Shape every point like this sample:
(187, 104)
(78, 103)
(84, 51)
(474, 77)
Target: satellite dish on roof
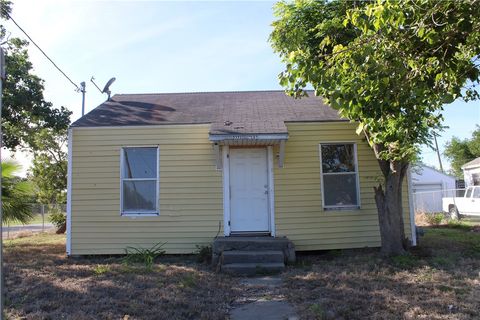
(106, 89)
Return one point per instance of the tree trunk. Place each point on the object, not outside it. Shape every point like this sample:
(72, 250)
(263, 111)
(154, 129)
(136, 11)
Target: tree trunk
(389, 206)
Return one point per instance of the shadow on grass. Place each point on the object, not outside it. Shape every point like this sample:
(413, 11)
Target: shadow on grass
(437, 280)
(41, 283)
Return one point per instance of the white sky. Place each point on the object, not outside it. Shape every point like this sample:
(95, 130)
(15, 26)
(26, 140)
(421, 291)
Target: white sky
(156, 46)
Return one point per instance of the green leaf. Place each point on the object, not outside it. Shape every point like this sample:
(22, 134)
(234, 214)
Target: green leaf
(359, 128)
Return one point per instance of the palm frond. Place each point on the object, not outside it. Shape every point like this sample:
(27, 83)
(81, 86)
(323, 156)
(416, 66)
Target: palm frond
(16, 195)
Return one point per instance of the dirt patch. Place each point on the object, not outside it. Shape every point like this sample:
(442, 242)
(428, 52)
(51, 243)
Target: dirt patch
(42, 283)
(438, 280)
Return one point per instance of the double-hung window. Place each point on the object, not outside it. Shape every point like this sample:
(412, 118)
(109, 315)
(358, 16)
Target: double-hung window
(339, 175)
(139, 181)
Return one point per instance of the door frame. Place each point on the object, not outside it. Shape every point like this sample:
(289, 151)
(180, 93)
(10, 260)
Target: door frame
(226, 191)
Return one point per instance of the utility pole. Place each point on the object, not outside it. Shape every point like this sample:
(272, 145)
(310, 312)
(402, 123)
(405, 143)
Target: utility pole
(2, 78)
(438, 152)
(82, 90)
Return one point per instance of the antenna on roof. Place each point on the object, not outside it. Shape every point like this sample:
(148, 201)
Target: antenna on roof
(106, 89)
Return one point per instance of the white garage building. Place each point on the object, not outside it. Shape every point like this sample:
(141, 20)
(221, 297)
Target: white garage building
(429, 187)
(471, 172)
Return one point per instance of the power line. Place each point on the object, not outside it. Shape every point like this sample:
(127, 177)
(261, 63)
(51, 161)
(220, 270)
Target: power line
(43, 52)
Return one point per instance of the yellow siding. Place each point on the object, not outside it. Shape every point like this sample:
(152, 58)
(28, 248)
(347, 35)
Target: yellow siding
(298, 198)
(190, 190)
(191, 205)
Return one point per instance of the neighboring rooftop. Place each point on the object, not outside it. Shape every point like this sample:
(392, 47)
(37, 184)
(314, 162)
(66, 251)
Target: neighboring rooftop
(228, 112)
(472, 164)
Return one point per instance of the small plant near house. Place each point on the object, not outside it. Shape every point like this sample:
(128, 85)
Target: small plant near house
(146, 256)
(404, 261)
(318, 311)
(59, 220)
(204, 253)
(189, 281)
(434, 219)
(100, 269)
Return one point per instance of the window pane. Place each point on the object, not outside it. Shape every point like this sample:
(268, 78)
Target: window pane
(337, 158)
(340, 190)
(476, 179)
(469, 193)
(140, 163)
(139, 196)
(476, 193)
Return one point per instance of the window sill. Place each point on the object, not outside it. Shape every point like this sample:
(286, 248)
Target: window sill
(135, 215)
(341, 208)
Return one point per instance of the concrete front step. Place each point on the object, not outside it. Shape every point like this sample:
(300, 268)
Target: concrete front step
(251, 269)
(252, 244)
(229, 257)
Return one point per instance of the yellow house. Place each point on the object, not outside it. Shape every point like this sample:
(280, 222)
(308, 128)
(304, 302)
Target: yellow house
(183, 168)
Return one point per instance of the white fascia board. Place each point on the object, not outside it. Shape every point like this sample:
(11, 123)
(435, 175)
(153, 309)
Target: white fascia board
(259, 136)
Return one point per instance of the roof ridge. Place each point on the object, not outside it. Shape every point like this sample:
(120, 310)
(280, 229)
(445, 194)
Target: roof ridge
(199, 92)
(471, 162)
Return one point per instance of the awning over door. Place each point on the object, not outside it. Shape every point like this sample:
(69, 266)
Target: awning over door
(249, 133)
(258, 139)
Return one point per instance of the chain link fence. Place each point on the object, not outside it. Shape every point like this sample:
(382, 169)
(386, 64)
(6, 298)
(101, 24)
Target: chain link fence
(430, 209)
(42, 212)
(431, 201)
(40, 221)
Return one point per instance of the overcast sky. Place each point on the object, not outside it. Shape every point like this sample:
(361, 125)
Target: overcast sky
(156, 46)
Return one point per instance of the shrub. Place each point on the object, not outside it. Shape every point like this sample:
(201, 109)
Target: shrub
(59, 220)
(204, 253)
(434, 219)
(146, 256)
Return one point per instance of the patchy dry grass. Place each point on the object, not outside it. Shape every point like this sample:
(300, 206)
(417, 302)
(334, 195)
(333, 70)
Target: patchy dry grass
(438, 280)
(43, 284)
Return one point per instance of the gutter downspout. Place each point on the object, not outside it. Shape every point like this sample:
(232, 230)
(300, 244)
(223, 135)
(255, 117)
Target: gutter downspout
(413, 228)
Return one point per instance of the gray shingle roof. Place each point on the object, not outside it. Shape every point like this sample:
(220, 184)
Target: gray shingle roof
(228, 112)
(472, 164)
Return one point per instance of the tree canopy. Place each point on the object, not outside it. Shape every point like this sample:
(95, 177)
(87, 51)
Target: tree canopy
(389, 66)
(49, 170)
(25, 110)
(460, 151)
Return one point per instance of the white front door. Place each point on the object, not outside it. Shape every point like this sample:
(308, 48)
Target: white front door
(249, 190)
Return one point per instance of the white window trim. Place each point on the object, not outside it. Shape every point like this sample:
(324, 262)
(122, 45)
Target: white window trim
(355, 159)
(271, 191)
(226, 190)
(152, 213)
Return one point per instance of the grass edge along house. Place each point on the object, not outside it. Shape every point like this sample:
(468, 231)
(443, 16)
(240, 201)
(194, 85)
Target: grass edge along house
(183, 168)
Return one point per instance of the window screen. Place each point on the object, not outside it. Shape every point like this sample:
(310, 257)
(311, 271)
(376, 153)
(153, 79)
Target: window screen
(139, 180)
(339, 175)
